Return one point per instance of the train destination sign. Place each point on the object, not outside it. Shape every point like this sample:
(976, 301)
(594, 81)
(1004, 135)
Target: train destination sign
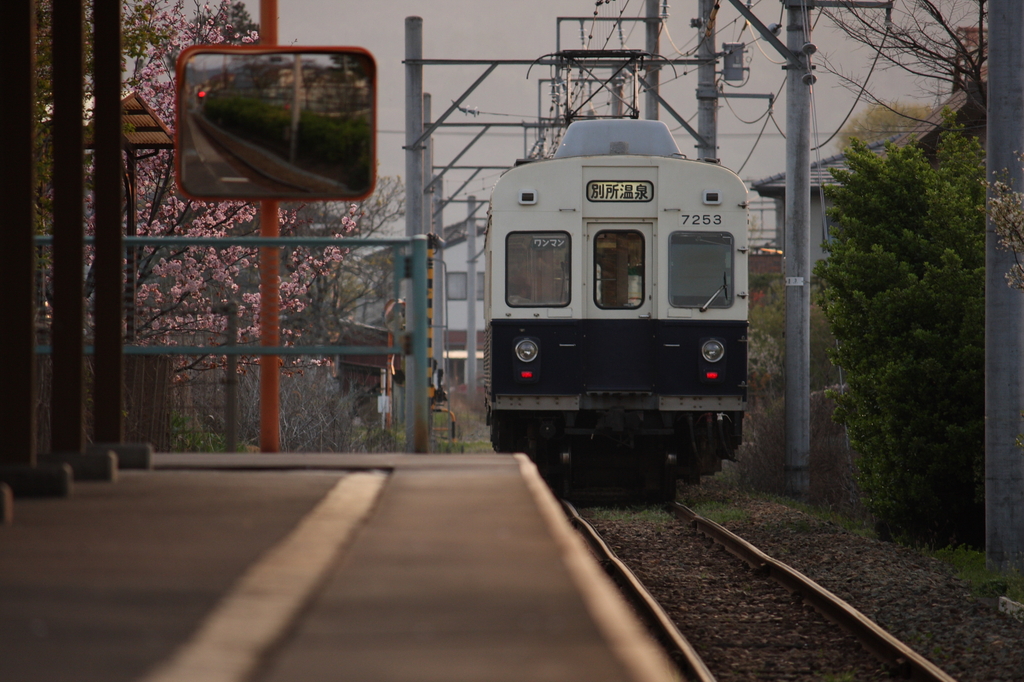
(620, 190)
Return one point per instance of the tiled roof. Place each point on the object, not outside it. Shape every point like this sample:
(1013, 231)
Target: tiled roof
(775, 185)
(147, 130)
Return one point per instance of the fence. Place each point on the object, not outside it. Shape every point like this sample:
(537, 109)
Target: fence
(410, 263)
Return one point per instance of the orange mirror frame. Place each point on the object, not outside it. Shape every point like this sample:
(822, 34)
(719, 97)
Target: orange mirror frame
(277, 123)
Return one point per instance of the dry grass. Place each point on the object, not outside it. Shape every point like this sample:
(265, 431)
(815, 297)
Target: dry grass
(761, 459)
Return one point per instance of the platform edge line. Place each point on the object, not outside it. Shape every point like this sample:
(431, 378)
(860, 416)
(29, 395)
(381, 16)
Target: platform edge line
(258, 609)
(639, 654)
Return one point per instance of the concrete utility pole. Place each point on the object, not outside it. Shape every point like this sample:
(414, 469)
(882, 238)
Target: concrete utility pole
(1004, 307)
(471, 299)
(707, 95)
(428, 171)
(798, 251)
(413, 126)
(413, 190)
(653, 47)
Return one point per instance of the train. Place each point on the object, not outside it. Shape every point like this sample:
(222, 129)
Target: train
(616, 312)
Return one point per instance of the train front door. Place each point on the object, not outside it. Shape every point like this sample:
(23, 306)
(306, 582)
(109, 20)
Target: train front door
(618, 330)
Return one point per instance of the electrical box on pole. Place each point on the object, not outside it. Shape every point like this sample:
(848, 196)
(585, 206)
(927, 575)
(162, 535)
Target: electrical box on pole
(732, 62)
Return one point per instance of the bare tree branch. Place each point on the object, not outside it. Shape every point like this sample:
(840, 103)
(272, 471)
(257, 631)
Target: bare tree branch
(941, 41)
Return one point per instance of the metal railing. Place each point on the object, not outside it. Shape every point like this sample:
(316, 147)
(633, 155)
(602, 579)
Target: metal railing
(410, 263)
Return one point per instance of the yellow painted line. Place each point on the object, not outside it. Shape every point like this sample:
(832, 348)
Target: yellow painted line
(259, 608)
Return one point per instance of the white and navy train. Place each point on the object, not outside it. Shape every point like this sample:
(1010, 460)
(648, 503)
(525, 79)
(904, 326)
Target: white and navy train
(616, 306)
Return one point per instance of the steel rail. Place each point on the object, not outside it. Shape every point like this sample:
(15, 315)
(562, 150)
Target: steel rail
(903, 660)
(661, 626)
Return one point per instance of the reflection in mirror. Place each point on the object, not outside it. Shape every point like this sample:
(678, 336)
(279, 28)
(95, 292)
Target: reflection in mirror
(276, 123)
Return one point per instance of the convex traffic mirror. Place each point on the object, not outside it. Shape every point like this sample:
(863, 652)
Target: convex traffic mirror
(276, 123)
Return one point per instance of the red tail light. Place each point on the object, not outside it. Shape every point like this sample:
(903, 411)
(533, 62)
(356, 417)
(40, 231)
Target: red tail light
(526, 375)
(711, 375)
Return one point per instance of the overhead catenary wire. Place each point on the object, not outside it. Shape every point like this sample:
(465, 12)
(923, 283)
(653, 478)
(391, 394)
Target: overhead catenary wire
(577, 92)
(757, 41)
(743, 120)
(767, 116)
(863, 87)
(815, 130)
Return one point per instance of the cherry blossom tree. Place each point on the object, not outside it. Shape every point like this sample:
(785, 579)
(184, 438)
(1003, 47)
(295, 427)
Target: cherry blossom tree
(1006, 209)
(181, 290)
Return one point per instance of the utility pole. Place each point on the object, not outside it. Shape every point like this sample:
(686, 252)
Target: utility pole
(653, 48)
(797, 52)
(471, 299)
(413, 126)
(428, 171)
(1004, 307)
(707, 93)
(798, 251)
(413, 194)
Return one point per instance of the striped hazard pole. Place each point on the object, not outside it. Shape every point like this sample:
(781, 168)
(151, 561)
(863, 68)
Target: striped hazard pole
(432, 245)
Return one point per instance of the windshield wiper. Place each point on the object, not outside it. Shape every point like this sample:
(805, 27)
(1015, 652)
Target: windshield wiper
(724, 287)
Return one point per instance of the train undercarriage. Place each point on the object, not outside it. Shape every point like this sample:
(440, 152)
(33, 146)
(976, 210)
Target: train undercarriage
(619, 455)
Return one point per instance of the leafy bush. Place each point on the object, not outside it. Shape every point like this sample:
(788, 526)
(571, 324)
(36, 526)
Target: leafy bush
(329, 140)
(970, 566)
(904, 293)
(767, 347)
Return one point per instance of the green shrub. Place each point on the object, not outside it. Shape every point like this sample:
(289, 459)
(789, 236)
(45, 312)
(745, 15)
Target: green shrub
(904, 294)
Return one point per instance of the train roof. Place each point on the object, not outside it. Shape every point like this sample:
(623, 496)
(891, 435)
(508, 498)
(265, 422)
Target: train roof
(604, 137)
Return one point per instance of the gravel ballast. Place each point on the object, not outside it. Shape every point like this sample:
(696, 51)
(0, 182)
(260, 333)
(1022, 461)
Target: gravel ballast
(916, 598)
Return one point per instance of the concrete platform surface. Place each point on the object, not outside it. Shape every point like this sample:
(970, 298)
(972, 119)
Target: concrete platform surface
(273, 568)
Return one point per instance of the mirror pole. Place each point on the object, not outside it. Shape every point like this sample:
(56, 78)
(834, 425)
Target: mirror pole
(268, 22)
(270, 294)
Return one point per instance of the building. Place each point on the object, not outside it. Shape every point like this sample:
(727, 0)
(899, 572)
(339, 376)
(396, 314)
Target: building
(459, 293)
(970, 113)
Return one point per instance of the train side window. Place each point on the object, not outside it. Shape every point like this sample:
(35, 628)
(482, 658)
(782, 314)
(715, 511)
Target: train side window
(619, 269)
(701, 269)
(537, 269)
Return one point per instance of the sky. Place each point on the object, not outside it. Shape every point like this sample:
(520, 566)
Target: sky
(526, 30)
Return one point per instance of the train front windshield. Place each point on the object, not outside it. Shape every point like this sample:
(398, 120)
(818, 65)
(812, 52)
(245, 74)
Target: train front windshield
(537, 269)
(700, 266)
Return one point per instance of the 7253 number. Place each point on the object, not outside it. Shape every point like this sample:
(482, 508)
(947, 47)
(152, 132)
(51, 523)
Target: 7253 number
(701, 219)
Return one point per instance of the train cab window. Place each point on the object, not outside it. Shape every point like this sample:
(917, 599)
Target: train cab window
(537, 269)
(700, 269)
(619, 269)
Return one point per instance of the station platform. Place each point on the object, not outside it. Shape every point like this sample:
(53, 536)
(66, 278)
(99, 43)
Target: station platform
(274, 568)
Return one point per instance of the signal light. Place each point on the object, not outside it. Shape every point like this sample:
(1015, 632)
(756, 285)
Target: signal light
(526, 375)
(711, 375)
(201, 94)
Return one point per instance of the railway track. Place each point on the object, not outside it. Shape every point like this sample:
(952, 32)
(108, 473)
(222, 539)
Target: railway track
(726, 611)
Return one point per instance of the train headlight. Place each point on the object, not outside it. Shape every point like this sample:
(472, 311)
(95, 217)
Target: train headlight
(712, 350)
(527, 350)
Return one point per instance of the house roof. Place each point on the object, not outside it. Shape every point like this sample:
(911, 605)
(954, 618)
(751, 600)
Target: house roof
(141, 127)
(147, 131)
(775, 185)
(970, 113)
